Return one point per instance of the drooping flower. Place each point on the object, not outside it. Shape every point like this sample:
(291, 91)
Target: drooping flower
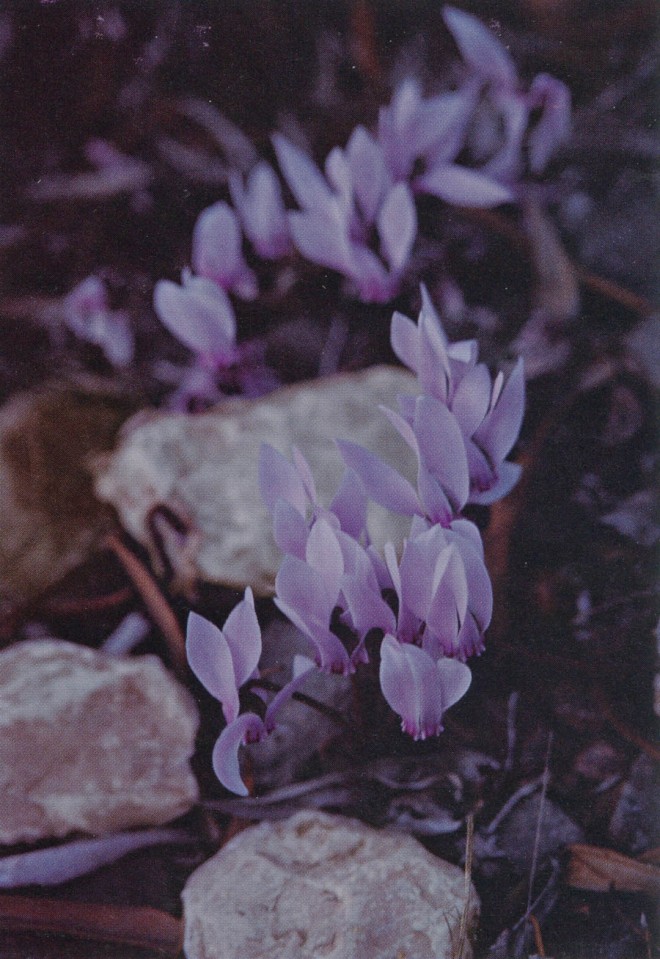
(490, 62)
(199, 314)
(419, 688)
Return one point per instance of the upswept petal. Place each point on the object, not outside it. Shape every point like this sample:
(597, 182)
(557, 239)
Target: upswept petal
(368, 171)
(243, 635)
(210, 659)
(216, 250)
(397, 226)
(461, 186)
(305, 601)
(261, 210)
(433, 363)
(404, 339)
(436, 506)
(322, 237)
(290, 530)
(279, 479)
(248, 728)
(338, 175)
(499, 430)
(368, 273)
(305, 474)
(442, 123)
(480, 48)
(381, 481)
(323, 554)
(350, 505)
(442, 448)
(424, 560)
(304, 178)
(366, 607)
(402, 426)
(471, 399)
(198, 314)
(455, 679)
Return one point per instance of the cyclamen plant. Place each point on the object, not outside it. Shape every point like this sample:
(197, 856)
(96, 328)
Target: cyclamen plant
(358, 216)
(423, 613)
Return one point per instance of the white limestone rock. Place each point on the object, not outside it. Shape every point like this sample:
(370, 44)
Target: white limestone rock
(90, 743)
(204, 469)
(317, 886)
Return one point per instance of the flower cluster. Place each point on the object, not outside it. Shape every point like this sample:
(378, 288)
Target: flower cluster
(421, 614)
(358, 215)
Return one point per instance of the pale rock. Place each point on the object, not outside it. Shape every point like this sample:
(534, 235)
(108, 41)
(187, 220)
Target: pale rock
(317, 886)
(90, 743)
(204, 468)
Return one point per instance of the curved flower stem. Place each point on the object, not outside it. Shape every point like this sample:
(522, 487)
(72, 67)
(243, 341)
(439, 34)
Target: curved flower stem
(155, 602)
(316, 704)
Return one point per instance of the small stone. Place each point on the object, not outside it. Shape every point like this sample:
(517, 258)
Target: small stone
(90, 743)
(203, 471)
(317, 886)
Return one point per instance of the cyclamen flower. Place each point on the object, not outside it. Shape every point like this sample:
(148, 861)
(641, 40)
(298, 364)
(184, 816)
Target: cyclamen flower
(199, 314)
(491, 63)
(431, 133)
(87, 313)
(489, 414)
(339, 211)
(223, 661)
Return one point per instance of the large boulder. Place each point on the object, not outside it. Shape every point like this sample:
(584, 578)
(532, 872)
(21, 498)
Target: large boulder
(317, 886)
(90, 743)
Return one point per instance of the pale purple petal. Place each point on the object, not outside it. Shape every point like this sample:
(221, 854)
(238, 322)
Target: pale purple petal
(455, 679)
(480, 48)
(322, 237)
(290, 529)
(247, 728)
(554, 126)
(402, 426)
(397, 226)
(261, 209)
(433, 365)
(243, 635)
(508, 475)
(279, 479)
(442, 123)
(499, 430)
(461, 186)
(305, 180)
(305, 474)
(216, 250)
(350, 504)
(198, 314)
(338, 174)
(442, 448)
(404, 339)
(381, 481)
(369, 173)
(366, 607)
(323, 553)
(412, 687)
(437, 507)
(471, 399)
(59, 864)
(210, 659)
